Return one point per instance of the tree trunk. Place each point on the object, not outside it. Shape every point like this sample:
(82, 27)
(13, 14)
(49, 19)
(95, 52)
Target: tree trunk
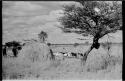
(95, 45)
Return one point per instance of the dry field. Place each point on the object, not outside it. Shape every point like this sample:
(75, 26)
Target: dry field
(98, 65)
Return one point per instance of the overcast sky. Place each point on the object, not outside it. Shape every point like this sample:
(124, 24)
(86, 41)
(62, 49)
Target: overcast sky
(25, 19)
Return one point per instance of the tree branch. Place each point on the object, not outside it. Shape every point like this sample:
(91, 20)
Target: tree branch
(110, 31)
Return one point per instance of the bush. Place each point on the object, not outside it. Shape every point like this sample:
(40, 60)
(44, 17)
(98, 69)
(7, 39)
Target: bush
(35, 52)
(76, 44)
(49, 44)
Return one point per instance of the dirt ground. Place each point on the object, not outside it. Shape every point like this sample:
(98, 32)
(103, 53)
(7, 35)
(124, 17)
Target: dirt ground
(98, 66)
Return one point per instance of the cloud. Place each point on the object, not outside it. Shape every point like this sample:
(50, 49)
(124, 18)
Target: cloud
(51, 17)
(55, 5)
(68, 3)
(26, 6)
(22, 21)
(56, 13)
(21, 8)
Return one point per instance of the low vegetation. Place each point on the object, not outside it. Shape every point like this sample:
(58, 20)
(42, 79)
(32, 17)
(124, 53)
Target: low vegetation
(32, 63)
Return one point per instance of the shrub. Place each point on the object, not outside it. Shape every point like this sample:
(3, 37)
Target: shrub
(76, 44)
(35, 52)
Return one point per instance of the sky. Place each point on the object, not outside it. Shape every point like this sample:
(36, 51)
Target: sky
(23, 20)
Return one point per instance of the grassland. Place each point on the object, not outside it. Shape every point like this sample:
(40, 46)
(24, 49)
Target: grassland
(98, 66)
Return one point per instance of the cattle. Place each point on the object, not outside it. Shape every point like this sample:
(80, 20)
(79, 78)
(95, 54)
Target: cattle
(74, 54)
(68, 54)
(58, 55)
(65, 54)
(80, 55)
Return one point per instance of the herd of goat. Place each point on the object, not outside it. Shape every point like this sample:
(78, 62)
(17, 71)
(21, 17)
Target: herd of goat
(15, 47)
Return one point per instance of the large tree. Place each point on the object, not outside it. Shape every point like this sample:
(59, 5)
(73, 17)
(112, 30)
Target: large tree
(92, 18)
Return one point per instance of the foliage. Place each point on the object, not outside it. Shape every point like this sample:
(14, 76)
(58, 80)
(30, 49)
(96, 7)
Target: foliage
(92, 17)
(13, 43)
(76, 44)
(42, 36)
(49, 44)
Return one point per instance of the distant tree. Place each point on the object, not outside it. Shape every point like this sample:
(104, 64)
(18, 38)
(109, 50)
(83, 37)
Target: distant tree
(49, 44)
(76, 44)
(42, 36)
(86, 42)
(13, 44)
(92, 18)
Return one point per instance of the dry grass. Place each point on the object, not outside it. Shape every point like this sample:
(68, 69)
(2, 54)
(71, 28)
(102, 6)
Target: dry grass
(98, 66)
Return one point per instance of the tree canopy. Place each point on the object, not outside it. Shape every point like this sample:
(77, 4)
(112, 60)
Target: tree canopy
(42, 36)
(92, 17)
